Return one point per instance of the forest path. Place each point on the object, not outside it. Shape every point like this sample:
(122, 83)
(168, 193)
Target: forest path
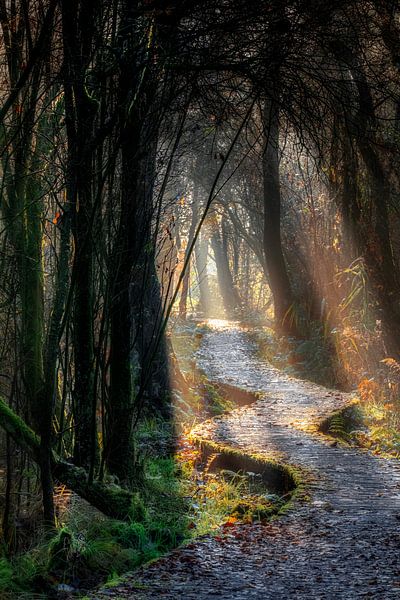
(343, 543)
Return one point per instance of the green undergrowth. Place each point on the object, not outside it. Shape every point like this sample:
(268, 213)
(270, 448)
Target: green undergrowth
(177, 499)
(380, 402)
(90, 548)
(380, 431)
(372, 424)
(229, 497)
(381, 439)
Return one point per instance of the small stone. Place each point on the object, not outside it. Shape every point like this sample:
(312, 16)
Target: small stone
(64, 587)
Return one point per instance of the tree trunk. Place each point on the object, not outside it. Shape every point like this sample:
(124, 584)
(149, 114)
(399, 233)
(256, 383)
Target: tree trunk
(119, 453)
(78, 23)
(23, 214)
(186, 279)
(375, 243)
(201, 255)
(277, 271)
(138, 370)
(229, 293)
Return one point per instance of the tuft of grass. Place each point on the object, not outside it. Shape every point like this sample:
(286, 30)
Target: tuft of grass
(228, 496)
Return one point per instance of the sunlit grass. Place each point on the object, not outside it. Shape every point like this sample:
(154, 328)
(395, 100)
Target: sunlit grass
(381, 409)
(222, 498)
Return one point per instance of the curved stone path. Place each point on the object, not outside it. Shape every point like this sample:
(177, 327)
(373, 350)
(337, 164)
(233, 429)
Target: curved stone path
(341, 543)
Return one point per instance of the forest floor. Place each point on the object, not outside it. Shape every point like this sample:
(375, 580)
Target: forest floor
(340, 537)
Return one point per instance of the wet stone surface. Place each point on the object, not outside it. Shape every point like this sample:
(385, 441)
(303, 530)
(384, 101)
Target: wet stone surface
(341, 543)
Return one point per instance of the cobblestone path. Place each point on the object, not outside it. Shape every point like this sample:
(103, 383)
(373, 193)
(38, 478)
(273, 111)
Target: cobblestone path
(342, 543)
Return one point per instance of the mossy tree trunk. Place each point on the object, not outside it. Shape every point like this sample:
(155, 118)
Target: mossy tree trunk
(111, 500)
(23, 214)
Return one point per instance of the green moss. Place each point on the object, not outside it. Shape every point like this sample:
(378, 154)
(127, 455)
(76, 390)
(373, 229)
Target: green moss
(60, 550)
(217, 401)
(6, 574)
(132, 535)
(22, 575)
(290, 476)
(248, 505)
(19, 430)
